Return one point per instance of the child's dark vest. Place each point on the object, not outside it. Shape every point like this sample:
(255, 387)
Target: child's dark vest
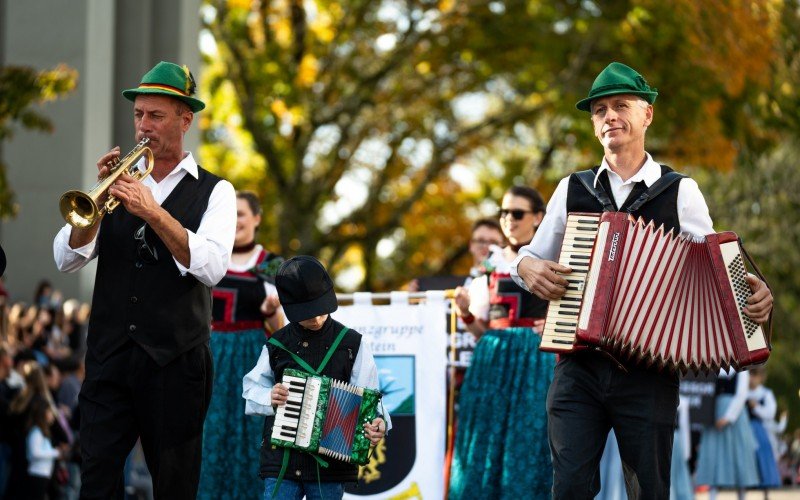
(150, 303)
(312, 348)
(662, 209)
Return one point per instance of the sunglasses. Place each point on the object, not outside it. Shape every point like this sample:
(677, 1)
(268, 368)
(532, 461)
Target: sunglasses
(516, 213)
(145, 252)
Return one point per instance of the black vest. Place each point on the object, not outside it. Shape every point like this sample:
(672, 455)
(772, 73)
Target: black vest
(663, 209)
(311, 347)
(150, 303)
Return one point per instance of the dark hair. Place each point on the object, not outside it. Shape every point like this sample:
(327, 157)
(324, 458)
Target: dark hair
(37, 416)
(487, 222)
(532, 195)
(252, 201)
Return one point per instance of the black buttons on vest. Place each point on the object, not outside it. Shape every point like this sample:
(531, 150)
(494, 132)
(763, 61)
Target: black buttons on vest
(138, 265)
(132, 328)
(134, 299)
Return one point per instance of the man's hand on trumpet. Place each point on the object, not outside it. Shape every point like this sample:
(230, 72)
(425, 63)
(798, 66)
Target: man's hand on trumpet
(137, 199)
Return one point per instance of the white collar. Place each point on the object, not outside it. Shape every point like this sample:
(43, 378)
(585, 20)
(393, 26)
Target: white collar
(649, 172)
(188, 164)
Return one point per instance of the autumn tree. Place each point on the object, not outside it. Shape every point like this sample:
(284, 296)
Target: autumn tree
(21, 90)
(371, 129)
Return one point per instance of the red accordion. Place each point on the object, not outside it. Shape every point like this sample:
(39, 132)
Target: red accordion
(644, 294)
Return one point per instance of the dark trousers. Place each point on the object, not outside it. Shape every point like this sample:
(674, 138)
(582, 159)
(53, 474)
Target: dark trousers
(589, 395)
(128, 396)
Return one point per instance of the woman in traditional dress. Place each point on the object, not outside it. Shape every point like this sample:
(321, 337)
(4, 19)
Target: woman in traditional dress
(245, 311)
(501, 448)
(726, 458)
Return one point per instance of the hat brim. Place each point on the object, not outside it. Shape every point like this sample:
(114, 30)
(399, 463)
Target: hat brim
(586, 104)
(194, 104)
(324, 304)
(2, 261)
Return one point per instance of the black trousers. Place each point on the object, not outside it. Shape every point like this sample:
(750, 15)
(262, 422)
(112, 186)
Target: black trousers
(128, 396)
(589, 395)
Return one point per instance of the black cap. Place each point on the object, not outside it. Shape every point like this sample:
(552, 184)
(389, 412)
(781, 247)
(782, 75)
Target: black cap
(305, 289)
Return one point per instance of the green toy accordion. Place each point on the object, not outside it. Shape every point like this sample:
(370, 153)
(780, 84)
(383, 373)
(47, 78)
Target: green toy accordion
(325, 416)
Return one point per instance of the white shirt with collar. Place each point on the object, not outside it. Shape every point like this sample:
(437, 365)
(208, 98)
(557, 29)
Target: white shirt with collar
(209, 248)
(546, 244)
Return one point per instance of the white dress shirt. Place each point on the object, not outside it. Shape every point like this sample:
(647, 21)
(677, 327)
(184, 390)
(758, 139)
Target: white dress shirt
(257, 384)
(41, 454)
(739, 399)
(209, 248)
(546, 244)
(766, 407)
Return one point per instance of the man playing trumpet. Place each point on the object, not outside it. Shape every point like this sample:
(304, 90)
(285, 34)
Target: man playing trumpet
(148, 367)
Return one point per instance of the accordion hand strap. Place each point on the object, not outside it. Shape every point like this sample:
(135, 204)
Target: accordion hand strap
(762, 278)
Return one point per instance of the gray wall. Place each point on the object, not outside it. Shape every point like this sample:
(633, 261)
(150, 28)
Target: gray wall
(111, 44)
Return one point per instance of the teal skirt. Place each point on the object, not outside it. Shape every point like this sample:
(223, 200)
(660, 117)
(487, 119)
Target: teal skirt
(501, 449)
(231, 439)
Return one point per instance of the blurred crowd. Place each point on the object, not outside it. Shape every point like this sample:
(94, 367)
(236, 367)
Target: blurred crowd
(42, 343)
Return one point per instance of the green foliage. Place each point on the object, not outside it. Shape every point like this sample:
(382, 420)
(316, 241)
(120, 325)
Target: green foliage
(21, 89)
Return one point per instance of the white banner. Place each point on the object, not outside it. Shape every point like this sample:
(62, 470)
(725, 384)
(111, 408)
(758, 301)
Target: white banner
(409, 344)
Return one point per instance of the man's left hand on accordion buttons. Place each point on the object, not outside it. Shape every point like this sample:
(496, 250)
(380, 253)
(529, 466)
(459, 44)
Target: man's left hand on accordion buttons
(374, 430)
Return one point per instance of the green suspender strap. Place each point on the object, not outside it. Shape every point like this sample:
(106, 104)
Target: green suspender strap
(300, 361)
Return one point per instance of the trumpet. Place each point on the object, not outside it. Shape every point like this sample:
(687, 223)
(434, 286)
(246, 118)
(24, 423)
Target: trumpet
(82, 210)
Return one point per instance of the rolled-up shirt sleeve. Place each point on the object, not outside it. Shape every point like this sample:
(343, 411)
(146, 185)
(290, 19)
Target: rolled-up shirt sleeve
(365, 374)
(71, 259)
(546, 243)
(211, 246)
(257, 387)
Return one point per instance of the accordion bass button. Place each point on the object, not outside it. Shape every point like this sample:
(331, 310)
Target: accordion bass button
(305, 344)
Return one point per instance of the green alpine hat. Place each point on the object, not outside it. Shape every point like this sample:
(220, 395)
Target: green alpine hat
(618, 79)
(169, 79)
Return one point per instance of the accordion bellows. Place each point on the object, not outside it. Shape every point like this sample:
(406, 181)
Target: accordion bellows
(667, 300)
(325, 416)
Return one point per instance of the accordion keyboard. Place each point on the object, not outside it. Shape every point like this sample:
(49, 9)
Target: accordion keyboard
(561, 321)
(294, 421)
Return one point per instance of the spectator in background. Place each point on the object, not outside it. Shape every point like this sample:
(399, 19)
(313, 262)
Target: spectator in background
(492, 457)
(727, 449)
(761, 408)
(47, 297)
(40, 452)
(245, 312)
(486, 233)
(34, 390)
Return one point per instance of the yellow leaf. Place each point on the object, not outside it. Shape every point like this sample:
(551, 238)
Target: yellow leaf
(307, 72)
(278, 107)
(239, 4)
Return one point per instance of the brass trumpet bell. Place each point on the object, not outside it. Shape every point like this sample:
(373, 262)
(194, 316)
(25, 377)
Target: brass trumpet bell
(83, 209)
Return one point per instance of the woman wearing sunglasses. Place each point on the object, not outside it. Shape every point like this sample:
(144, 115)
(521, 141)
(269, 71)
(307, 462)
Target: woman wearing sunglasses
(502, 419)
(245, 311)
